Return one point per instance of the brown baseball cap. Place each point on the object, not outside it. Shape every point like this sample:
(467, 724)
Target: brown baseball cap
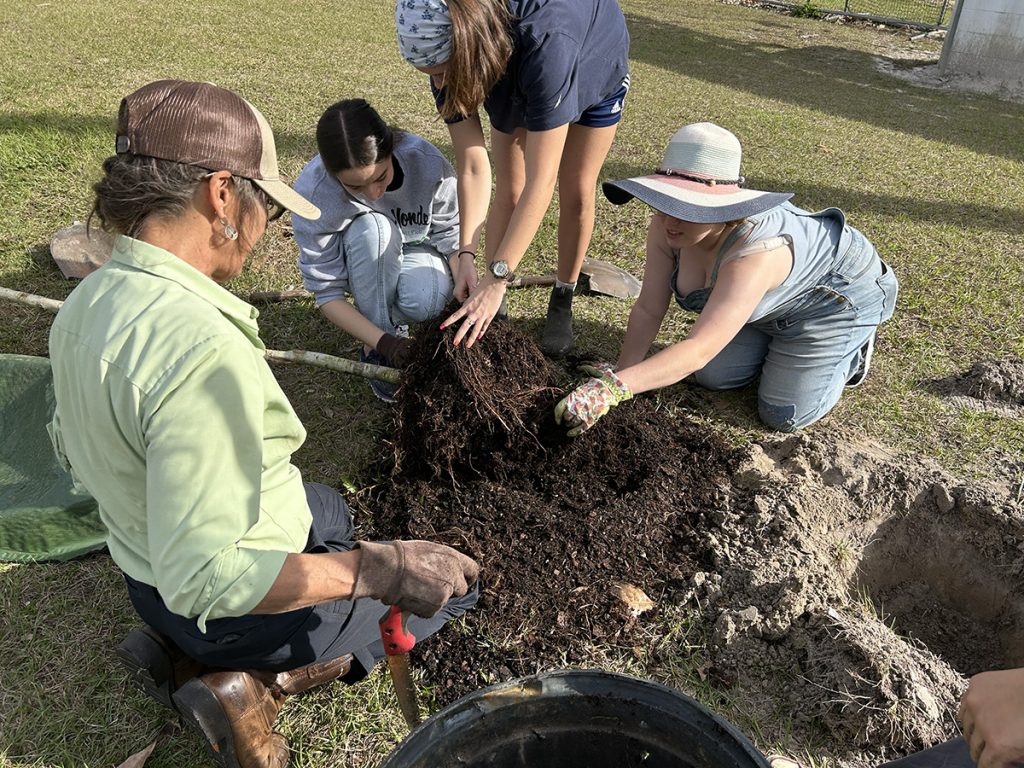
(210, 127)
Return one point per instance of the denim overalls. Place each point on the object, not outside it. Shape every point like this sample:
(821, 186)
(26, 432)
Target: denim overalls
(806, 337)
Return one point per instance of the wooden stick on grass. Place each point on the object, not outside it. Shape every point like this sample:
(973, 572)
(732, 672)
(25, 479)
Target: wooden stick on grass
(319, 359)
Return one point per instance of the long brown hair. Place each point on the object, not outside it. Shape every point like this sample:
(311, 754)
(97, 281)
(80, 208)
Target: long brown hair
(481, 48)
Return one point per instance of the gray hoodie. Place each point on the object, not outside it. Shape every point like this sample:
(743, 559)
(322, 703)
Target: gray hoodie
(425, 208)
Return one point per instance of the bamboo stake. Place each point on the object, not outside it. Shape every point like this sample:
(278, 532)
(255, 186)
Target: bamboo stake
(20, 297)
(367, 371)
(319, 359)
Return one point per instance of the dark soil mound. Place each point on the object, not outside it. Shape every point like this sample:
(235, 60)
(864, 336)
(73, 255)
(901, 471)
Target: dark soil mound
(823, 574)
(557, 523)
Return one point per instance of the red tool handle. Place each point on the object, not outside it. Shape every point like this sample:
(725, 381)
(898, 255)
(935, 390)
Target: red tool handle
(395, 634)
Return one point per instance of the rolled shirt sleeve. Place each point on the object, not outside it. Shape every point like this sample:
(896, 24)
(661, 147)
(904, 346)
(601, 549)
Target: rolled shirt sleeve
(321, 246)
(214, 550)
(444, 217)
(322, 263)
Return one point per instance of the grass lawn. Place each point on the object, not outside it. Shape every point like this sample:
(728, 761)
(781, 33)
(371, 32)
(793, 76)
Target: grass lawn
(933, 178)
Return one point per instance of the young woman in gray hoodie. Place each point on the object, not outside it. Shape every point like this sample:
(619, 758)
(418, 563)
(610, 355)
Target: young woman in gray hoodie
(388, 233)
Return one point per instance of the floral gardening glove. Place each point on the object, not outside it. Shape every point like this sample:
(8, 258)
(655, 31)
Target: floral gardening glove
(582, 407)
(596, 368)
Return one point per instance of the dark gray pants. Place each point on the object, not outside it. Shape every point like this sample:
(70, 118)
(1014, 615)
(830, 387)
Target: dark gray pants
(952, 754)
(284, 641)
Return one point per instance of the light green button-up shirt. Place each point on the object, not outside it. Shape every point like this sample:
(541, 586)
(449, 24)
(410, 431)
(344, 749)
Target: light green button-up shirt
(168, 414)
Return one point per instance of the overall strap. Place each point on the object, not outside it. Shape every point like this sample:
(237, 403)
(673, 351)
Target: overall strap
(742, 230)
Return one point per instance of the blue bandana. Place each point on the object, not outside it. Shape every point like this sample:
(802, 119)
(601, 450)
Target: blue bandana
(424, 31)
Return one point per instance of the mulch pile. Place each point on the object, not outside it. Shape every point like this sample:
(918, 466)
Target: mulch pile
(556, 522)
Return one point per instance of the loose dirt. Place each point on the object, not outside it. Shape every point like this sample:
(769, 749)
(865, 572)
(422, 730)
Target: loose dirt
(993, 385)
(845, 586)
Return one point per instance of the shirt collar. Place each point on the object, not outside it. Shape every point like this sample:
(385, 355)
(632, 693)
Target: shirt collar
(145, 257)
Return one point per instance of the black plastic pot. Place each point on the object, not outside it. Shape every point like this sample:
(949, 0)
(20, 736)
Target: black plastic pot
(576, 719)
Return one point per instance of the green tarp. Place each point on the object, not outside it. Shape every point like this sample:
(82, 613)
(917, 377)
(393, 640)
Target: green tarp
(41, 516)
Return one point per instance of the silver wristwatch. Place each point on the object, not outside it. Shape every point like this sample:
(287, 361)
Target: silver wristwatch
(501, 271)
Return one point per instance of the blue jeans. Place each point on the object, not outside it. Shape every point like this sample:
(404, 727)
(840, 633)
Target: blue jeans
(393, 285)
(284, 641)
(807, 349)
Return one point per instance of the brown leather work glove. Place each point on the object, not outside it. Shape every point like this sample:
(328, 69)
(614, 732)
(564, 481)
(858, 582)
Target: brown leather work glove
(397, 350)
(417, 576)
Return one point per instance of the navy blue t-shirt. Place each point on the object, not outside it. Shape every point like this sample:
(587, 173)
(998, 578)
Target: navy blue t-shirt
(567, 56)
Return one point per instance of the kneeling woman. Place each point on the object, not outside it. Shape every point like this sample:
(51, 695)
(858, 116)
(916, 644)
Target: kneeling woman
(791, 296)
(388, 234)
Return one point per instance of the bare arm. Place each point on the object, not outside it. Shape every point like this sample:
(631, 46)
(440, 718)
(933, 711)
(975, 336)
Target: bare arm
(649, 311)
(307, 580)
(473, 173)
(740, 286)
(543, 155)
(351, 320)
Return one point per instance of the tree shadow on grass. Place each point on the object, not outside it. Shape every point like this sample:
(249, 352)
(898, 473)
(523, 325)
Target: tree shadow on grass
(817, 196)
(832, 80)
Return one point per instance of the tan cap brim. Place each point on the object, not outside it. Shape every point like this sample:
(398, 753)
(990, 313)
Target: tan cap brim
(289, 198)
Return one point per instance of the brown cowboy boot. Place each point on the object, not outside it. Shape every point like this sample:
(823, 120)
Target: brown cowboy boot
(235, 711)
(156, 664)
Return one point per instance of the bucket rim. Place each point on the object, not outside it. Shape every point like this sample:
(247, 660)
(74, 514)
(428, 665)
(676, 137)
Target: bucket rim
(486, 702)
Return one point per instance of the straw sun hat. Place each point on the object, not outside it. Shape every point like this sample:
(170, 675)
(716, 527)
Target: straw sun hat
(698, 180)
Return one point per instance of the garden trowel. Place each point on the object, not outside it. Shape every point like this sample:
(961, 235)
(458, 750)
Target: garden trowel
(597, 277)
(398, 641)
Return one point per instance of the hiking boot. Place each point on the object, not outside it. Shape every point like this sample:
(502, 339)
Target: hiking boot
(865, 364)
(155, 664)
(557, 338)
(382, 389)
(235, 711)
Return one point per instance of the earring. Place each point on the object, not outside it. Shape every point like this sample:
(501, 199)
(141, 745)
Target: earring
(229, 232)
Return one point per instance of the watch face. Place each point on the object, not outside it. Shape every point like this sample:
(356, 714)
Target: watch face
(499, 269)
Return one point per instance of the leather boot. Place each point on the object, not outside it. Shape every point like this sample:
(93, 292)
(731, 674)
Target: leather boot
(156, 664)
(235, 711)
(557, 337)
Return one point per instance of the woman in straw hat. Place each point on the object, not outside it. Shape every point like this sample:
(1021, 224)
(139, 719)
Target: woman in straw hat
(250, 582)
(552, 76)
(783, 294)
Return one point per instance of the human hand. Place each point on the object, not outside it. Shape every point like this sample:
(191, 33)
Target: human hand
(417, 576)
(397, 350)
(466, 279)
(477, 311)
(992, 714)
(582, 407)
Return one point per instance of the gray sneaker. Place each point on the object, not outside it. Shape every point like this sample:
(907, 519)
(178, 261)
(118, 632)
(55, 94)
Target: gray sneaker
(382, 389)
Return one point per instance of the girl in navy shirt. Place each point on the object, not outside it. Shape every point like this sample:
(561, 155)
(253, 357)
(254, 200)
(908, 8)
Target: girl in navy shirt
(552, 76)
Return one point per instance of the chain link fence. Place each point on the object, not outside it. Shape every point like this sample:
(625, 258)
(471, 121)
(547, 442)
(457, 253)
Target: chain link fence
(926, 14)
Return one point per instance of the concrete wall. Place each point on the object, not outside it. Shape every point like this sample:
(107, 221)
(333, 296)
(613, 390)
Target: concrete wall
(985, 44)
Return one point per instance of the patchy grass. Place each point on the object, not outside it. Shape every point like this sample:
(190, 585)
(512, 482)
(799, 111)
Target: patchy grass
(933, 178)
